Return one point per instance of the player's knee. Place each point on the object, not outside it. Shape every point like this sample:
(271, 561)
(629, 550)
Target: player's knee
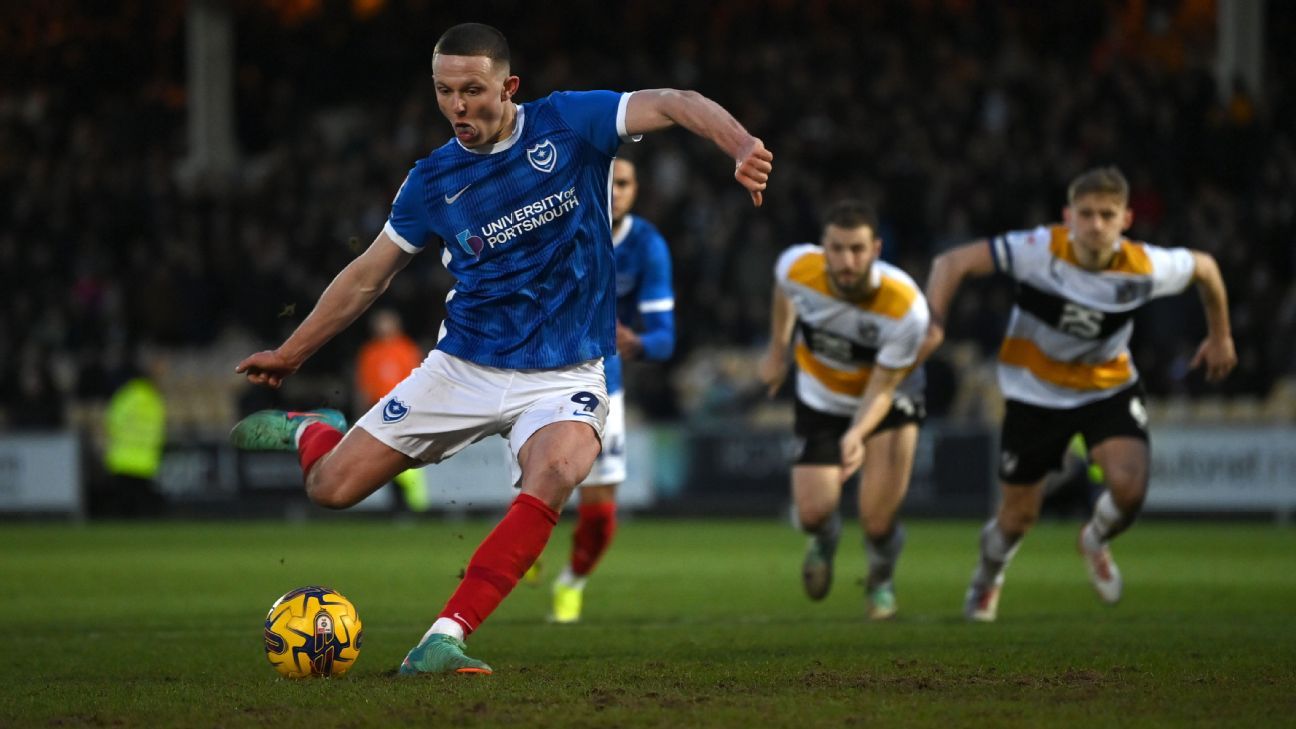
(1017, 520)
(876, 527)
(1127, 484)
(330, 490)
(1128, 493)
(814, 515)
(552, 479)
(327, 498)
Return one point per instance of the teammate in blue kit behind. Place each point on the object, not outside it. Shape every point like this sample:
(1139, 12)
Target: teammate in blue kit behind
(645, 329)
(517, 203)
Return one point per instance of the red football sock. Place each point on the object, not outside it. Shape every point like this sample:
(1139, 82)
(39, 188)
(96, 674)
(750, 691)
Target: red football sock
(500, 561)
(593, 534)
(315, 441)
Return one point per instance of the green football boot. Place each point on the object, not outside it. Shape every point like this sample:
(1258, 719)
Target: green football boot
(882, 602)
(817, 568)
(440, 653)
(275, 430)
(566, 603)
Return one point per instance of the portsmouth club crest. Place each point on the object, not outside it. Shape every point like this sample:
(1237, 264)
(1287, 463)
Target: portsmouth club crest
(543, 156)
(394, 411)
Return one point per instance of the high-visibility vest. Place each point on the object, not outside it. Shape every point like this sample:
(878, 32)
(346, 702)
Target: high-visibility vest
(383, 363)
(136, 429)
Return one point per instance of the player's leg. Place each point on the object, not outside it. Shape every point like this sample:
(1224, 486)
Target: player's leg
(596, 516)
(346, 471)
(1117, 430)
(888, 463)
(555, 435)
(816, 493)
(1124, 463)
(1019, 506)
(595, 525)
(339, 469)
(553, 461)
(1032, 442)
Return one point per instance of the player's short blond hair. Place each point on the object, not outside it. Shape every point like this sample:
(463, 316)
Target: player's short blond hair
(1100, 180)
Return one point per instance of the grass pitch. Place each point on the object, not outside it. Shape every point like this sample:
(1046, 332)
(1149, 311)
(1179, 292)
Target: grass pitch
(687, 623)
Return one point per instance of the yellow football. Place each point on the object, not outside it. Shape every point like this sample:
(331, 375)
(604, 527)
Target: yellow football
(312, 631)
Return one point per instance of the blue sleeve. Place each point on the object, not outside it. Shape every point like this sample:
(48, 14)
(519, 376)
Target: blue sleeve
(657, 301)
(658, 336)
(409, 224)
(597, 116)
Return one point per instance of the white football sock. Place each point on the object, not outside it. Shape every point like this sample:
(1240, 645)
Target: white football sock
(997, 550)
(445, 626)
(1108, 521)
(883, 554)
(567, 578)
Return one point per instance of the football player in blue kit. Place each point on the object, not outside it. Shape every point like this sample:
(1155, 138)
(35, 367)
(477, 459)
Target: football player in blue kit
(517, 203)
(645, 329)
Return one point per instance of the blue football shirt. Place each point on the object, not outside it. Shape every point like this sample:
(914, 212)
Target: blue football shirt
(525, 230)
(645, 298)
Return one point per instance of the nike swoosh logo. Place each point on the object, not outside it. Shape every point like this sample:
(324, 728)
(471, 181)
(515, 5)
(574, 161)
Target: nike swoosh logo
(450, 199)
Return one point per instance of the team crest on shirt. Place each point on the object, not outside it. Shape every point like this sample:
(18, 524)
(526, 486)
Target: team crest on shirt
(471, 244)
(1055, 269)
(395, 411)
(543, 156)
(1127, 291)
(868, 332)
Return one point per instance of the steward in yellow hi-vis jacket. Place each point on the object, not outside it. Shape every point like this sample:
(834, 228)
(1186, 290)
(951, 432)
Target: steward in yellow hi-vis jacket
(135, 431)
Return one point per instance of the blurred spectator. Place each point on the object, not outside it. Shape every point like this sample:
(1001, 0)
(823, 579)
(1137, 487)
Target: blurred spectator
(386, 359)
(949, 116)
(135, 433)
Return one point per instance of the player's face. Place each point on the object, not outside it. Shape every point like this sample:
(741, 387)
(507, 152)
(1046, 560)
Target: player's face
(625, 185)
(1097, 221)
(476, 95)
(849, 254)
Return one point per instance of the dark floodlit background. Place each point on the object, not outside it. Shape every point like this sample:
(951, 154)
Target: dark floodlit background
(179, 181)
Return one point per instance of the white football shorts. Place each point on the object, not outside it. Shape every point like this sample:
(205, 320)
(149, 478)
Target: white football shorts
(447, 403)
(610, 467)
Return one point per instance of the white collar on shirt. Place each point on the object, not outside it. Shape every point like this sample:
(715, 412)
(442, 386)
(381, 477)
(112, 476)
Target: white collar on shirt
(621, 231)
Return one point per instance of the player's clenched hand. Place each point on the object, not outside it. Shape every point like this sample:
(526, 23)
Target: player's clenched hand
(1219, 356)
(266, 368)
(932, 341)
(772, 371)
(752, 170)
(852, 452)
(628, 343)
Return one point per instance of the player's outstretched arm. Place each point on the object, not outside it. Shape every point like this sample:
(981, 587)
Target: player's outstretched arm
(1216, 351)
(352, 291)
(947, 273)
(651, 110)
(874, 405)
(773, 366)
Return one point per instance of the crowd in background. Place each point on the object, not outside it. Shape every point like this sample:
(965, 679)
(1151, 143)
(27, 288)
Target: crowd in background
(957, 118)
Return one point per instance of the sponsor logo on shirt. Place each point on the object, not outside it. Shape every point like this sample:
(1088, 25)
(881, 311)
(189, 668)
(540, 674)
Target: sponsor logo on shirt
(471, 244)
(527, 218)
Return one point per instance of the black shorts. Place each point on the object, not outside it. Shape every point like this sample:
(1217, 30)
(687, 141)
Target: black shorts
(1034, 439)
(819, 434)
